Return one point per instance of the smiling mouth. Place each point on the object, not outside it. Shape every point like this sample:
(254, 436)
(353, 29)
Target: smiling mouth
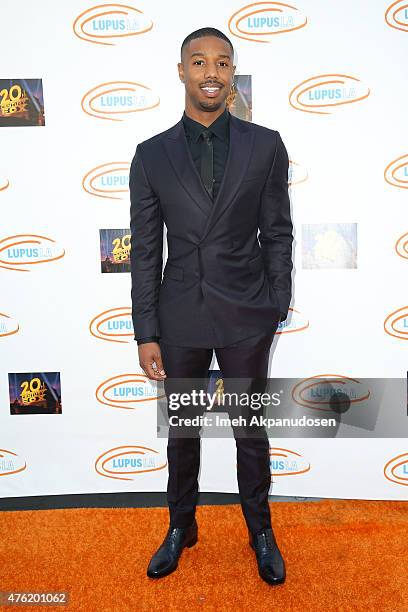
(211, 90)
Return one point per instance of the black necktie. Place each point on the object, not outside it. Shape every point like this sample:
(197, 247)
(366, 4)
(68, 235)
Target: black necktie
(207, 161)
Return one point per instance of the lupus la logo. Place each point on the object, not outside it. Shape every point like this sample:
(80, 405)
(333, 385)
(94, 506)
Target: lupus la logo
(396, 324)
(127, 391)
(4, 183)
(401, 246)
(117, 100)
(285, 462)
(108, 180)
(260, 21)
(396, 15)
(325, 392)
(114, 325)
(295, 322)
(8, 325)
(126, 462)
(396, 173)
(10, 463)
(396, 469)
(17, 252)
(322, 93)
(297, 174)
(109, 24)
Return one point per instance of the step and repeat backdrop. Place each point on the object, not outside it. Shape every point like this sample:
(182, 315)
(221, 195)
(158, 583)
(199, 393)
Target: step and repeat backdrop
(81, 85)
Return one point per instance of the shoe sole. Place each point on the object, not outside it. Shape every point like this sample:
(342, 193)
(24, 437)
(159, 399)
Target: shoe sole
(276, 582)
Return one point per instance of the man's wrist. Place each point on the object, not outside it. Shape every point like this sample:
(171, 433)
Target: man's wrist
(147, 339)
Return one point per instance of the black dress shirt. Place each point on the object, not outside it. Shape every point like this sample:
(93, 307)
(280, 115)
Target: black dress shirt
(220, 140)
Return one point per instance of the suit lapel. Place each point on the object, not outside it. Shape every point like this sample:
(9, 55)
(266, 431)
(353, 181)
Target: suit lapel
(179, 154)
(239, 154)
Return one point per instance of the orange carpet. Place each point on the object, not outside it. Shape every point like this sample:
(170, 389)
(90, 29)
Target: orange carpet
(340, 556)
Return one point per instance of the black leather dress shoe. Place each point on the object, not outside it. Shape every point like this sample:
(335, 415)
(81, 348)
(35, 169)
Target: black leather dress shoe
(165, 559)
(271, 566)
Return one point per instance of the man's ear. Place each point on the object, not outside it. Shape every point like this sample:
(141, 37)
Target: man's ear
(181, 71)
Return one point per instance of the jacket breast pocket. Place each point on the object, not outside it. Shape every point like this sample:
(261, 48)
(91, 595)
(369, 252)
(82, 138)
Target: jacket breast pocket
(256, 263)
(174, 272)
(260, 177)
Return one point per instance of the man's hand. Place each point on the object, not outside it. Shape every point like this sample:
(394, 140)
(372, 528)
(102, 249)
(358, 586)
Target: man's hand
(150, 360)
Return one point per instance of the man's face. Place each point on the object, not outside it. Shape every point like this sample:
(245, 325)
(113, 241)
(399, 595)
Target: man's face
(207, 71)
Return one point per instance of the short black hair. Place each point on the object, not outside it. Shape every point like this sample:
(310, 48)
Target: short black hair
(206, 32)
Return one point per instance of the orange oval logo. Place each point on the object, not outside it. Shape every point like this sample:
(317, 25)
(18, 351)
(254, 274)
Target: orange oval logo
(109, 24)
(401, 246)
(297, 173)
(22, 250)
(396, 324)
(117, 100)
(8, 326)
(108, 180)
(396, 173)
(126, 462)
(396, 469)
(127, 391)
(322, 93)
(114, 325)
(316, 392)
(260, 21)
(396, 15)
(285, 462)
(10, 463)
(295, 322)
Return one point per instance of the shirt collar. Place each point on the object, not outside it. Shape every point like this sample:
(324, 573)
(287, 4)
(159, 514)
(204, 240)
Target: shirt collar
(219, 127)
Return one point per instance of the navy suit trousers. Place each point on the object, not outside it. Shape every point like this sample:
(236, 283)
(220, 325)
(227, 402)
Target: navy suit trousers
(244, 359)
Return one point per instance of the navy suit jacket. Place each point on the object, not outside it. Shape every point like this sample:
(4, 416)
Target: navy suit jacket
(228, 270)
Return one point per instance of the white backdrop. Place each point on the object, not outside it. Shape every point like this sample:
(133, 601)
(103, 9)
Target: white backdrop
(338, 322)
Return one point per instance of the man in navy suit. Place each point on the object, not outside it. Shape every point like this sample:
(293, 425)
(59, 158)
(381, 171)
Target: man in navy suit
(214, 180)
